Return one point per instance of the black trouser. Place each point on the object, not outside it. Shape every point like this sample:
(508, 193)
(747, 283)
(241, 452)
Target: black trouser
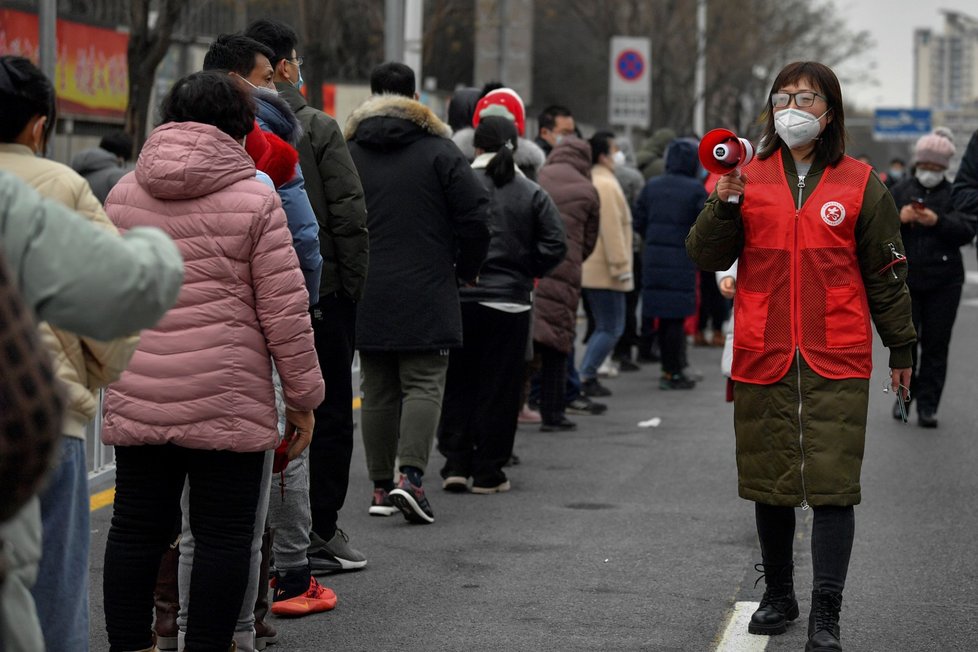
(833, 531)
(553, 382)
(672, 342)
(224, 488)
(934, 312)
(713, 307)
(482, 394)
(334, 325)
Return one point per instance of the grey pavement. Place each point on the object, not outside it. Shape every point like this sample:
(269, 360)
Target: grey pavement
(617, 537)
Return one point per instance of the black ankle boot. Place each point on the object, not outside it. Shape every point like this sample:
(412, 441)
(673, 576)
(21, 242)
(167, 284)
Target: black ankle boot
(823, 622)
(778, 605)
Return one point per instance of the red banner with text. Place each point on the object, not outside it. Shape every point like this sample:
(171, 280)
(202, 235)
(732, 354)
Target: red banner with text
(91, 77)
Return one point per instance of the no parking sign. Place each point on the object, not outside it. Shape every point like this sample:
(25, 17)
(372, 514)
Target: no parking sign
(629, 82)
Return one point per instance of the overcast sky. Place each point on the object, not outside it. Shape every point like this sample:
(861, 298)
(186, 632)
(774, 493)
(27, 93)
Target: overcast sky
(891, 23)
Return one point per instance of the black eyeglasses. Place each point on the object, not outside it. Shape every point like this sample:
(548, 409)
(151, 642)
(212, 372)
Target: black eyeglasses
(803, 99)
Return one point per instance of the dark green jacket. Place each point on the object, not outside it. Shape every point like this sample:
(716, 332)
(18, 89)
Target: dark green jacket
(336, 195)
(801, 439)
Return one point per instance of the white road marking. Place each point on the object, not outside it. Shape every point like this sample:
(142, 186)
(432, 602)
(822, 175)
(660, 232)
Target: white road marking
(971, 277)
(735, 637)
(971, 303)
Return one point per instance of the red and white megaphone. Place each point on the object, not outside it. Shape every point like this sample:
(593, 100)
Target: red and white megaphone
(721, 152)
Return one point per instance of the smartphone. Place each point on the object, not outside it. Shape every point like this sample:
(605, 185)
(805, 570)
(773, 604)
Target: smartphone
(918, 204)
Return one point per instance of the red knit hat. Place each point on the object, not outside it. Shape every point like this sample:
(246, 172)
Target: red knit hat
(503, 102)
(272, 155)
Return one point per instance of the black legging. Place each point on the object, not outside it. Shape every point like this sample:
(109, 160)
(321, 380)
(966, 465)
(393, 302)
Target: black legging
(833, 531)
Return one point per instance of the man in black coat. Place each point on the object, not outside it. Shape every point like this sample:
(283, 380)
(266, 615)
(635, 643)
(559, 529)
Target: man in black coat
(427, 215)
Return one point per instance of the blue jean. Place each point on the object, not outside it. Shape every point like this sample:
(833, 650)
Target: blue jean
(61, 590)
(608, 308)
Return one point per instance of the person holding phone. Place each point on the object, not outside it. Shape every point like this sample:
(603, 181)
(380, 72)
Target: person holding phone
(933, 233)
(817, 240)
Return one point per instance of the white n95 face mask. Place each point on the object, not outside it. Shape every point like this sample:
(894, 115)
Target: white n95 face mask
(796, 127)
(618, 158)
(929, 178)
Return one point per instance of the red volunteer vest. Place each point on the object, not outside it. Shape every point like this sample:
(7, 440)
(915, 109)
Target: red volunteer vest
(798, 280)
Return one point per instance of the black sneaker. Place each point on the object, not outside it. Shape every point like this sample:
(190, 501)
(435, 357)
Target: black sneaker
(625, 365)
(676, 381)
(591, 387)
(584, 406)
(926, 419)
(558, 426)
(410, 499)
(333, 555)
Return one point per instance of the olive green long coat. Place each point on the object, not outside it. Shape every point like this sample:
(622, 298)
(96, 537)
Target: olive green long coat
(800, 440)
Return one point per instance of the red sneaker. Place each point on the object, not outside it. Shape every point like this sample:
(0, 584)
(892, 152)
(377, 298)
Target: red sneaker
(317, 599)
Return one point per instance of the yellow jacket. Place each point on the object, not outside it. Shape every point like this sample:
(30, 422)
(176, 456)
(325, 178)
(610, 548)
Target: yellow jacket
(84, 365)
(609, 267)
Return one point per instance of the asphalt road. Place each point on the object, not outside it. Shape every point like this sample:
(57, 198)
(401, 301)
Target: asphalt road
(617, 537)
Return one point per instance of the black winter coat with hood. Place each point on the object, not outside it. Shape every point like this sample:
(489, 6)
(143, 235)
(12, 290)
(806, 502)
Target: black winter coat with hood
(427, 215)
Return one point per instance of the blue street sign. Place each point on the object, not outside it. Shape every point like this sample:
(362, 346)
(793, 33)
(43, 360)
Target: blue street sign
(901, 124)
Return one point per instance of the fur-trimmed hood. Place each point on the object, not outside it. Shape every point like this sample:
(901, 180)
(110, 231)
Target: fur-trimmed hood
(393, 121)
(528, 155)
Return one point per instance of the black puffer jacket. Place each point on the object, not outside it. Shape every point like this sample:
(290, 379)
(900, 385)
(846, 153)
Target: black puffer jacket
(934, 252)
(528, 240)
(964, 193)
(427, 216)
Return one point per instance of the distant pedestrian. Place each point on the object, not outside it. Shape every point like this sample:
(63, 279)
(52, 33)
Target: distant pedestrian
(104, 165)
(896, 172)
(666, 210)
(553, 125)
(933, 233)
(607, 272)
(567, 179)
(483, 391)
(819, 248)
(427, 213)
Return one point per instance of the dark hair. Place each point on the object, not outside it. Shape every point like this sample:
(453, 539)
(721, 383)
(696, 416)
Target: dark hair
(898, 160)
(24, 93)
(279, 37)
(489, 87)
(118, 143)
(548, 117)
(392, 77)
(235, 53)
(498, 134)
(831, 145)
(212, 98)
(600, 144)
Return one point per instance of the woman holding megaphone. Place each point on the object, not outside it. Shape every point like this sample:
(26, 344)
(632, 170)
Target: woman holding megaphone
(817, 239)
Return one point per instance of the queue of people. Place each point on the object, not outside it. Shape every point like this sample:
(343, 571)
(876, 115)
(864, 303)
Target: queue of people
(256, 246)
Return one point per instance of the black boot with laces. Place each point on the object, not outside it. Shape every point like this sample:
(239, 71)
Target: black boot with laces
(823, 622)
(778, 605)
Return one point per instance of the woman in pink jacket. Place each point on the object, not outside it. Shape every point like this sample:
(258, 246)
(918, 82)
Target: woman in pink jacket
(197, 400)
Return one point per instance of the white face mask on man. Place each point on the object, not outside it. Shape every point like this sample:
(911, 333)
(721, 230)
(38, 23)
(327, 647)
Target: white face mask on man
(618, 158)
(929, 178)
(796, 127)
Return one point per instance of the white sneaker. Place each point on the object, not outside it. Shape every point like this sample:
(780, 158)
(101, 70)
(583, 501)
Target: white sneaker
(608, 368)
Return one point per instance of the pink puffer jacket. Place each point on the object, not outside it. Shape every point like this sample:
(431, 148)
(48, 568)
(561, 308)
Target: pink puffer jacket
(202, 378)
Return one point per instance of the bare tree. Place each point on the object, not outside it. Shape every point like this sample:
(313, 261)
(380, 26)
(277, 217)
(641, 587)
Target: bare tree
(748, 42)
(147, 47)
